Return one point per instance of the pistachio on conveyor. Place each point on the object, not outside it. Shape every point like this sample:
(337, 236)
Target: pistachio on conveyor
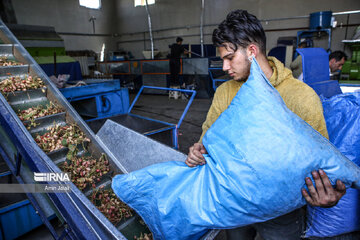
(32, 113)
(4, 61)
(86, 171)
(109, 205)
(59, 137)
(17, 83)
(145, 236)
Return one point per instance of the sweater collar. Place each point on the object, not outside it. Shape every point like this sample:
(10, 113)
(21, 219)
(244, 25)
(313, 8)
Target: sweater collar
(280, 73)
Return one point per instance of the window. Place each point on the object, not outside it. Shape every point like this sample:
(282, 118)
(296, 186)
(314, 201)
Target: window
(95, 4)
(143, 2)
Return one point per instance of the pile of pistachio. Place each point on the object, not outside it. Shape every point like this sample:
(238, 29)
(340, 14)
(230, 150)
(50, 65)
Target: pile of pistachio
(4, 61)
(17, 83)
(58, 137)
(109, 205)
(145, 236)
(86, 171)
(33, 113)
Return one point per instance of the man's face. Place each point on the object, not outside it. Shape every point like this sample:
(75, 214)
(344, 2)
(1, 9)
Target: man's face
(236, 64)
(336, 65)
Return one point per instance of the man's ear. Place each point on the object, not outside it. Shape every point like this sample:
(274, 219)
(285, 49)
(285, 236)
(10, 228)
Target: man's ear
(332, 61)
(252, 50)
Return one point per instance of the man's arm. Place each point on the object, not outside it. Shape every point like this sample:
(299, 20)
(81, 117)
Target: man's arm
(218, 105)
(195, 156)
(222, 99)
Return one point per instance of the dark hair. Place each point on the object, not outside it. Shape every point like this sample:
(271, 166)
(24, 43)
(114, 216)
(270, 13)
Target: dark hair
(338, 55)
(179, 39)
(240, 28)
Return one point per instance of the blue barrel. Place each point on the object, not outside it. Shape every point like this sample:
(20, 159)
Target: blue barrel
(319, 20)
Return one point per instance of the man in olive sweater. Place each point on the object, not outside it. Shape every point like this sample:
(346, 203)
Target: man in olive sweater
(240, 38)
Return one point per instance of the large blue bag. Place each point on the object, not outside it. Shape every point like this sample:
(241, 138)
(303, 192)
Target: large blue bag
(259, 155)
(342, 115)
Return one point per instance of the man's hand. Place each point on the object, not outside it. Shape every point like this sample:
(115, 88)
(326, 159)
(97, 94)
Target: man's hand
(324, 195)
(195, 156)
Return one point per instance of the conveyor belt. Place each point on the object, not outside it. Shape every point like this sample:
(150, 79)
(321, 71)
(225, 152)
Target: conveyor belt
(24, 156)
(18, 148)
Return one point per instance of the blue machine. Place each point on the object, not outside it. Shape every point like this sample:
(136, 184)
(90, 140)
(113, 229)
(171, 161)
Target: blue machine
(320, 22)
(161, 131)
(315, 62)
(103, 99)
(99, 99)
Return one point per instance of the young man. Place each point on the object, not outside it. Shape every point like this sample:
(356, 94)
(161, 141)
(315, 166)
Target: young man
(240, 38)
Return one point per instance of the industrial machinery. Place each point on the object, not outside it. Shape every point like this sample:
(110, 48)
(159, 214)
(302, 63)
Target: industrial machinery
(164, 132)
(135, 73)
(104, 99)
(47, 48)
(315, 62)
(24, 87)
(351, 68)
(99, 98)
(320, 24)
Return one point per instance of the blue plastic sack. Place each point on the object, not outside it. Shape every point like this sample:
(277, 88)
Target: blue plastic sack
(342, 115)
(259, 155)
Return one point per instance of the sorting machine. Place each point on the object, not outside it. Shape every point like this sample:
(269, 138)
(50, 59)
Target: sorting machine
(351, 68)
(99, 98)
(135, 73)
(320, 22)
(80, 217)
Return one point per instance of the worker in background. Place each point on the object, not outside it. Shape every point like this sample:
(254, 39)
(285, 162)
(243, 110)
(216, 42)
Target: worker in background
(176, 50)
(239, 39)
(336, 61)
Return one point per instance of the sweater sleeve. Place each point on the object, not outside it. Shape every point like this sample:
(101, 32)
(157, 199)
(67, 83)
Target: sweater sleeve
(214, 112)
(304, 102)
(312, 113)
(221, 101)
